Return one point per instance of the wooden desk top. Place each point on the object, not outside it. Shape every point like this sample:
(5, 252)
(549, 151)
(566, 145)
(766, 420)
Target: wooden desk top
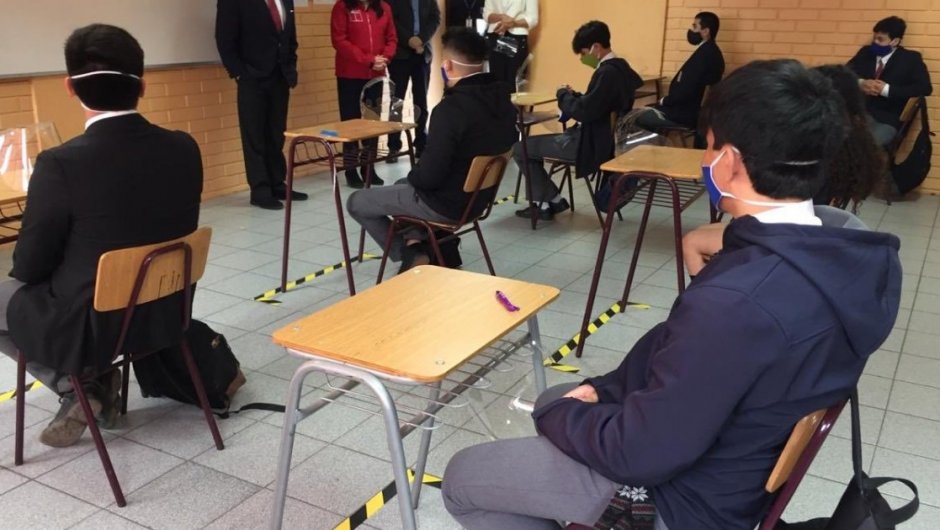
(648, 78)
(350, 130)
(419, 325)
(531, 99)
(10, 194)
(675, 162)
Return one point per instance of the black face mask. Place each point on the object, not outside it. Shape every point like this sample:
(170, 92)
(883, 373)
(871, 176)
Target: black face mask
(695, 38)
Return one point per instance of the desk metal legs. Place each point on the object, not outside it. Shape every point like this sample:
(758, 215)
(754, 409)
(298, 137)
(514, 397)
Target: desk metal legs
(294, 414)
(631, 271)
(538, 355)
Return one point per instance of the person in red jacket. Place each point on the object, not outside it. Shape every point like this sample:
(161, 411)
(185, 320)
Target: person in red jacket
(363, 34)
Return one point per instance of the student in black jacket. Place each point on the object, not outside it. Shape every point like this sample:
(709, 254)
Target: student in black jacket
(476, 117)
(257, 41)
(704, 68)
(890, 76)
(591, 143)
(123, 183)
(412, 61)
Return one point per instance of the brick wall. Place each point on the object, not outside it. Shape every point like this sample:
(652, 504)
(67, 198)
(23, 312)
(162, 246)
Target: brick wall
(201, 101)
(813, 31)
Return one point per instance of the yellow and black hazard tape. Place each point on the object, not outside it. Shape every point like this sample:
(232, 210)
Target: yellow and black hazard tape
(380, 499)
(10, 394)
(504, 200)
(554, 360)
(267, 297)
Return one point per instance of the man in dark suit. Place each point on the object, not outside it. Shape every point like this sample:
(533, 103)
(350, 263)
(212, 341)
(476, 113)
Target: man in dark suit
(123, 183)
(703, 69)
(890, 75)
(257, 41)
(415, 22)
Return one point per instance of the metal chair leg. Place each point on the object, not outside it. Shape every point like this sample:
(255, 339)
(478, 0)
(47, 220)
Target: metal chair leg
(538, 354)
(201, 393)
(423, 450)
(641, 232)
(20, 408)
(388, 246)
(515, 195)
(486, 252)
(99, 442)
(125, 382)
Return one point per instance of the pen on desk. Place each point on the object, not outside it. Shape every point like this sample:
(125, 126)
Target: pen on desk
(505, 302)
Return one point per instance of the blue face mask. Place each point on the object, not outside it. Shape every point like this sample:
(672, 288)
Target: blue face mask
(444, 76)
(880, 50)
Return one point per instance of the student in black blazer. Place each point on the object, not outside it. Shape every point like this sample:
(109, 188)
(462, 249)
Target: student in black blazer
(412, 61)
(703, 68)
(123, 183)
(463, 13)
(890, 75)
(257, 41)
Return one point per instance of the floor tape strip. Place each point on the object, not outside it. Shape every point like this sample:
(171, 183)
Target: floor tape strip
(10, 394)
(554, 360)
(267, 297)
(380, 499)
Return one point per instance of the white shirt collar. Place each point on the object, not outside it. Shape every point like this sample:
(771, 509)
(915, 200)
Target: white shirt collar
(884, 60)
(798, 213)
(610, 55)
(105, 115)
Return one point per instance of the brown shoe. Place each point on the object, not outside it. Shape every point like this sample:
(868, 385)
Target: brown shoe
(69, 423)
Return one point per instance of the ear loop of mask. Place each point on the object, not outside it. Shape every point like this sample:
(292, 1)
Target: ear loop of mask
(792, 163)
(99, 72)
(468, 65)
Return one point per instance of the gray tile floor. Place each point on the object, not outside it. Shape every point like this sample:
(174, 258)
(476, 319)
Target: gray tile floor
(175, 479)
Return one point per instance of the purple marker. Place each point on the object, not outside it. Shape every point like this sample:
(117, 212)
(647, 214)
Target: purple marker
(505, 301)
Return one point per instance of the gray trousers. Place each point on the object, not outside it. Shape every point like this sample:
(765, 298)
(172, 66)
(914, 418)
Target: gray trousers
(652, 121)
(46, 375)
(560, 146)
(372, 208)
(882, 132)
(525, 484)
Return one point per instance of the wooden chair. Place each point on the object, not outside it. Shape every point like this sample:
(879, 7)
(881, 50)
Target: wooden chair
(911, 109)
(486, 172)
(126, 279)
(801, 448)
(805, 441)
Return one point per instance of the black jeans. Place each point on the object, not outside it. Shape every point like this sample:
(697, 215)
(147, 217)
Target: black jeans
(504, 67)
(350, 101)
(418, 71)
(262, 118)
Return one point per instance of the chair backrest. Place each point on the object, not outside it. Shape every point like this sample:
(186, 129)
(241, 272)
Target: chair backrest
(807, 437)
(150, 271)
(485, 172)
(911, 108)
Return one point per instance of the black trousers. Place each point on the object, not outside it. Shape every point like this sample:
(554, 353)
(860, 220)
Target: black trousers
(262, 117)
(504, 67)
(350, 101)
(418, 71)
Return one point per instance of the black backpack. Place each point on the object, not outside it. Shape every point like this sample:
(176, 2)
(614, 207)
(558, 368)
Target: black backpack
(913, 170)
(164, 374)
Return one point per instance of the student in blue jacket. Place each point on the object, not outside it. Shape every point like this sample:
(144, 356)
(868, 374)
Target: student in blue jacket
(778, 324)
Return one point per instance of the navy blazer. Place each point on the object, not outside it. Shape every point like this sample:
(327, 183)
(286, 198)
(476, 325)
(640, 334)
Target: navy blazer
(905, 72)
(429, 19)
(249, 43)
(703, 68)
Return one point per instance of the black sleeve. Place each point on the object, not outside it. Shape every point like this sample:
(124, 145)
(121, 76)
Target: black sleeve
(429, 28)
(227, 33)
(917, 83)
(593, 105)
(857, 63)
(695, 76)
(436, 165)
(41, 244)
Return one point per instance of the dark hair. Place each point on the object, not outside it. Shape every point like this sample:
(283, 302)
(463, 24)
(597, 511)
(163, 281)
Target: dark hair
(859, 163)
(782, 118)
(707, 19)
(103, 47)
(375, 5)
(466, 43)
(588, 34)
(893, 26)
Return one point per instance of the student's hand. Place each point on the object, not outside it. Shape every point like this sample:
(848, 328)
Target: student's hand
(870, 87)
(878, 86)
(699, 245)
(585, 393)
(415, 44)
(505, 24)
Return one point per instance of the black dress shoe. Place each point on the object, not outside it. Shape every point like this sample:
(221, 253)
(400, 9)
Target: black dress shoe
(413, 256)
(267, 203)
(294, 195)
(393, 154)
(376, 180)
(544, 214)
(353, 181)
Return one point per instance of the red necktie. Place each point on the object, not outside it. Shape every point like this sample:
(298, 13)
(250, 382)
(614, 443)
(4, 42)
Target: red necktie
(275, 15)
(879, 68)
